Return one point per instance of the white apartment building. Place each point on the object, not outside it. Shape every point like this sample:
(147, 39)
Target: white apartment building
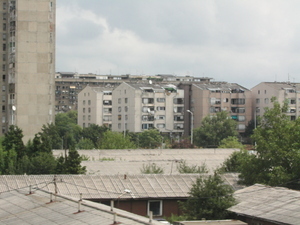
(282, 91)
(95, 106)
(141, 106)
(208, 98)
(28, 64)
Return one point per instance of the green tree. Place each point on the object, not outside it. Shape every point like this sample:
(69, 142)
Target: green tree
(115, 140)
(209, 199)
(43, 163)
(95, 133)
(213, 129)
(277, 158)
(73, 163)
(150, 139)
(231, 142)
(85, 143)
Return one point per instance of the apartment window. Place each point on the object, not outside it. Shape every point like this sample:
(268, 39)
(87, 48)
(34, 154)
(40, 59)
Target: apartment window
(83, 110)
(292, 101)
(3, 108)
(258, 91)
(160, 108)
(107, 110)
(4, 37)
(126, 99)
(3, 98)
(160, 99)
(178, 100)
(4, 26)
(83, 117)
(3, 77)
(148, 100)
(3, 88)
(3, 67)
(257, 101)
(89, 102)
(4, 47)
(266, 101)
(241, 126)
(126, 108)
(82, 102)
(107, 118)
(83, 125)
(3, 119)
(257, 109)
(4, 57)
(293, 117)
(4, 5)
(237, 110)
(160, 125)
(119, 117)
(119, 100)
(238, 101)
(161, 117)
(107, 102)
(119, 125)
(265, 91)
(126, 117)
(89, 117)
(147, 126)
(119, 109)
(178, 126)
(125, 126)
(155, 206)
(178, 109)
(89, 110)
(178, 118)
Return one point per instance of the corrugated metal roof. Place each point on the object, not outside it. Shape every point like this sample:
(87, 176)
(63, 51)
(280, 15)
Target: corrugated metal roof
(19, 208)
(277, 204)
(105, 186)
(131, 161)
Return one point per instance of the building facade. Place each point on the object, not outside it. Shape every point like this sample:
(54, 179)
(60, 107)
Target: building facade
(28, 64)
(95, 106)
(263, 93)
(141, 106)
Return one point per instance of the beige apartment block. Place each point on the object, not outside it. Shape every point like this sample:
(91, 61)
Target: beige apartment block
(282, 91)
(28, 64)
(141, 106)
(209, 98)
(95, 106)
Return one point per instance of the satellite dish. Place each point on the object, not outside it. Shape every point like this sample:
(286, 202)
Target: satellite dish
(150, 81)
(14, 108)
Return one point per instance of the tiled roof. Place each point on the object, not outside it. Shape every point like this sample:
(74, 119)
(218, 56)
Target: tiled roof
(17, 207)
(111, 162)
(276, 204)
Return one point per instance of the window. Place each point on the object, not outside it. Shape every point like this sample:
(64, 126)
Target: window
(89, 102)
(119, 109)
(89, 109)
(265, 91)
(4, 47)
(119, 126)
(178, 100)
(160, 125)
(107, 102)
(89, 117)
(161, 117)
(126, 108)
(155, 206)
(258, 91)
(4, 57)
(4, 26)
(3, 67)
(178, 126)
(160, 99)
(119, 100)
(3, 119)
(126, 99)
(107, 110)
(83, 124)
(266, 101)
(241, 126)
(160, 108)
(292, 101)
(83, 117)
(147, 126)
(83, 102)
(293, 117)
(238, 101)
(148, 100)
(119, 117)
(178, 118)
(83, 110)
(4, 5)
(107, 118)
(257, 101)
(178, 109)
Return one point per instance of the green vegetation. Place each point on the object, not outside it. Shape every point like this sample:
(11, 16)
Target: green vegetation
(151, 168)
(182, 167)
(209, 199)
(214, 129)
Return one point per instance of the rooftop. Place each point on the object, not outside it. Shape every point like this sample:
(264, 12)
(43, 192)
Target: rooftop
(276, 204)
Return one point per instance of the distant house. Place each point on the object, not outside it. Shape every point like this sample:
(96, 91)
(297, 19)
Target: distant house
(265, 205)
(138, 194)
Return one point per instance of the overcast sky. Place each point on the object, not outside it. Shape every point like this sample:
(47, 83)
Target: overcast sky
(238, 41)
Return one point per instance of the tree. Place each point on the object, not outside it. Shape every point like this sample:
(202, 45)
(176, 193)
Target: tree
(213, 129)
(95, 133)
(183, 143)
(150, 139)
(277, 158)
(115, 140)
(231, 142)
(209, 198)
(73, 163)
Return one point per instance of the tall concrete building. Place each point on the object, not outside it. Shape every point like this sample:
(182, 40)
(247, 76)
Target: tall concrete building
(263, 93)
(28, 64)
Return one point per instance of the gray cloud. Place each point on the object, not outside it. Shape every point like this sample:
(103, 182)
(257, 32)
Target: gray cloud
(236, 41)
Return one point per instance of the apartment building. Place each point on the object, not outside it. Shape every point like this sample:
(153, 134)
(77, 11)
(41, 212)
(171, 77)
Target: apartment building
(208, 98)
(69, 84)
(95, 106)
(282, 91)
(28, 64)
(141, 106)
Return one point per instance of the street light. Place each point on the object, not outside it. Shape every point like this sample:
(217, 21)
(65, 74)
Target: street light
(192, 124)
